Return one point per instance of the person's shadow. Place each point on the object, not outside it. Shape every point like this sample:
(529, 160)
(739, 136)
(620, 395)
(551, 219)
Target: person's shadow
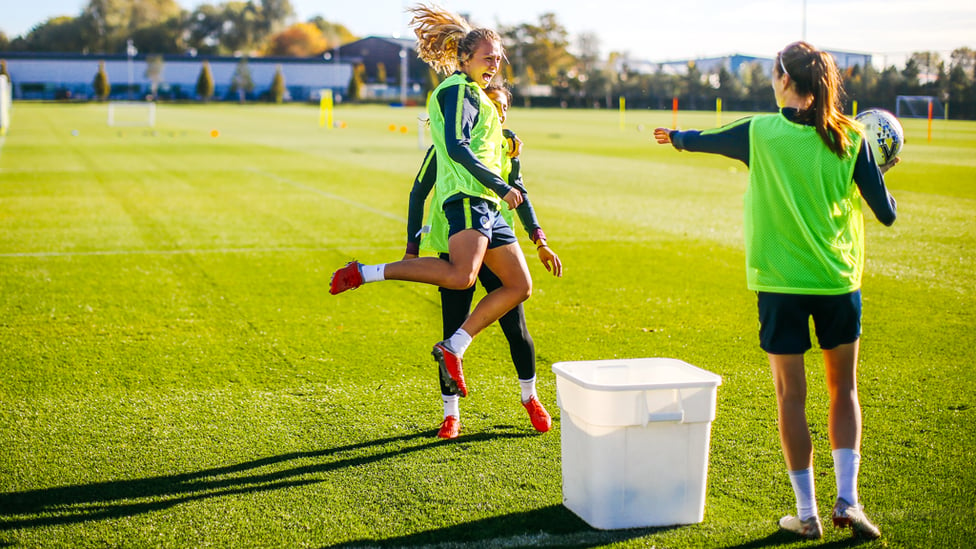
(549, 526)
(113, 499)
(552, 526)
(556, 526)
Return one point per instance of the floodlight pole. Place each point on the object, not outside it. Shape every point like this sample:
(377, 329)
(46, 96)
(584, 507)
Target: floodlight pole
(803, 33)
(130, 51)
(403, 75)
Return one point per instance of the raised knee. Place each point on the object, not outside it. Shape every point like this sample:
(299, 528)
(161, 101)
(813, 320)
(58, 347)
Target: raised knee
(461, 281)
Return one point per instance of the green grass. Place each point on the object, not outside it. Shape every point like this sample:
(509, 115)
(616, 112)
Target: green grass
(174, 373)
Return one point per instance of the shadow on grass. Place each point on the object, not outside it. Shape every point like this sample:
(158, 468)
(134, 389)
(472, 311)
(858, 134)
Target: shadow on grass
(553, 526)
(114, 499)
(780, 537)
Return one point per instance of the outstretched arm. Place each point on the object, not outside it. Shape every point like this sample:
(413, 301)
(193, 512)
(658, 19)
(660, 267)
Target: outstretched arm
(731, 140)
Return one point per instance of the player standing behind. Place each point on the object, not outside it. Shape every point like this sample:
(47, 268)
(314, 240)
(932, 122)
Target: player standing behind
(804, 240)
(468, 139)
(456, 304)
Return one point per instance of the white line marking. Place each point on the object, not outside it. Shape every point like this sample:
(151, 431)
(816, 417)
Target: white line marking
(327, 194)
(270, 175)
(178, 252)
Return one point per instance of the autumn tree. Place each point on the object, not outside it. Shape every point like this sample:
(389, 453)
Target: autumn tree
(298, 40)
(335, 34)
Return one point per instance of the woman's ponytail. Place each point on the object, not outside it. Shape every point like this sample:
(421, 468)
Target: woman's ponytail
(814, 73)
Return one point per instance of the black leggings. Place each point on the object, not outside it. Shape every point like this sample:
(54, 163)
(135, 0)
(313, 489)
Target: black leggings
(456, 306)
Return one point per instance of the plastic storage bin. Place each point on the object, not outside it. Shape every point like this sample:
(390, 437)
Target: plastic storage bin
(635, 436)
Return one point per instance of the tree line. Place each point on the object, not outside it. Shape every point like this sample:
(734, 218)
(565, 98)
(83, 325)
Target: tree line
(254, 28)
(539, 53)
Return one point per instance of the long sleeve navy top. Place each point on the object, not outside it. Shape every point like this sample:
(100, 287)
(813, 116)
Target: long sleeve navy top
(733, 141)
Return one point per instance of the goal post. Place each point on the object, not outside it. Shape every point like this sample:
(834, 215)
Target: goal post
(6, 96)
(917, 106)
(132, 113)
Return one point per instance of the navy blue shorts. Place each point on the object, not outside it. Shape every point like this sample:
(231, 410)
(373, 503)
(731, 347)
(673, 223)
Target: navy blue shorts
(470, 212)
(784, 321)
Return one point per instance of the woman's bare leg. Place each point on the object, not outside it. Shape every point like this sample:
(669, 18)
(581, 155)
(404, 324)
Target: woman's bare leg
(791, 396)
(508, 263)
(467, 250)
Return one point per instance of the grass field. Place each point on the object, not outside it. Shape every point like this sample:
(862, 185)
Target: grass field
(174, 373)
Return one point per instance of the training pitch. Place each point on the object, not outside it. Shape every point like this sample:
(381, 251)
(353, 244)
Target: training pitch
(174, 373)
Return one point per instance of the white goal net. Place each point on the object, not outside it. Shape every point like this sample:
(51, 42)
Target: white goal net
(917, 106)
(134, 113)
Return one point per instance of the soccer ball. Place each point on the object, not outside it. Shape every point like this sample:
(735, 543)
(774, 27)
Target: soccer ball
(883, 133)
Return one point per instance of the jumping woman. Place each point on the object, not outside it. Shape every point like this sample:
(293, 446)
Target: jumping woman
(468, 141)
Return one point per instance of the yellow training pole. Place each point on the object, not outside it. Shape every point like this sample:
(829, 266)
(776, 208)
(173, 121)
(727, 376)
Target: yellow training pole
(623, 109)
(718, 112)
(854, 108)
(325, 109)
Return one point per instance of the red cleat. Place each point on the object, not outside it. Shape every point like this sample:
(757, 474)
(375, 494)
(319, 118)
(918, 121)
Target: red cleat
(538, 414)
(349, 277)
(451, 368)
(450, 428)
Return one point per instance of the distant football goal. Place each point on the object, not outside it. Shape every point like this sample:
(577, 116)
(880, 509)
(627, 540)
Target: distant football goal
(917, 106)
(132, 113)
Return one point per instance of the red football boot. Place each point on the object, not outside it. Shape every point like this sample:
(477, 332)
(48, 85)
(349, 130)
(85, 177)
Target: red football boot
(451, 368)
(349, 277)
(450, 428)
(538, 414)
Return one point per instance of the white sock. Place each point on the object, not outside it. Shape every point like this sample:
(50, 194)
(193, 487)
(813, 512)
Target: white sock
(451, 407)
(847, 462)
(459, 342)
(528, 388)
(374, 273)
(806, 496)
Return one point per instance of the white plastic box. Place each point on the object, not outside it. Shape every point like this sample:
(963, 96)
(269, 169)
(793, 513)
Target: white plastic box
(635, 435)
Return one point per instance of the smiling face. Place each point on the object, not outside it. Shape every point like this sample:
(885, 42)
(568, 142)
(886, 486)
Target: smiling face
(500, 100)
(484, 62)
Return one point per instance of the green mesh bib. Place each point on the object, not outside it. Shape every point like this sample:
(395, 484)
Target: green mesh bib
(804, 230)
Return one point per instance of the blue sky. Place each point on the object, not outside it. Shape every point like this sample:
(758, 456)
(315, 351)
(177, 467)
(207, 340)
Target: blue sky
(651, 29)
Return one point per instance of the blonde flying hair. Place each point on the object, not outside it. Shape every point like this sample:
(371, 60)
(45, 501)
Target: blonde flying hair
(814, 73)
(445, 41)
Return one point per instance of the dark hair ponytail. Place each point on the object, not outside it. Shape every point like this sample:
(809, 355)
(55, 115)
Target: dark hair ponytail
(815, 74)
